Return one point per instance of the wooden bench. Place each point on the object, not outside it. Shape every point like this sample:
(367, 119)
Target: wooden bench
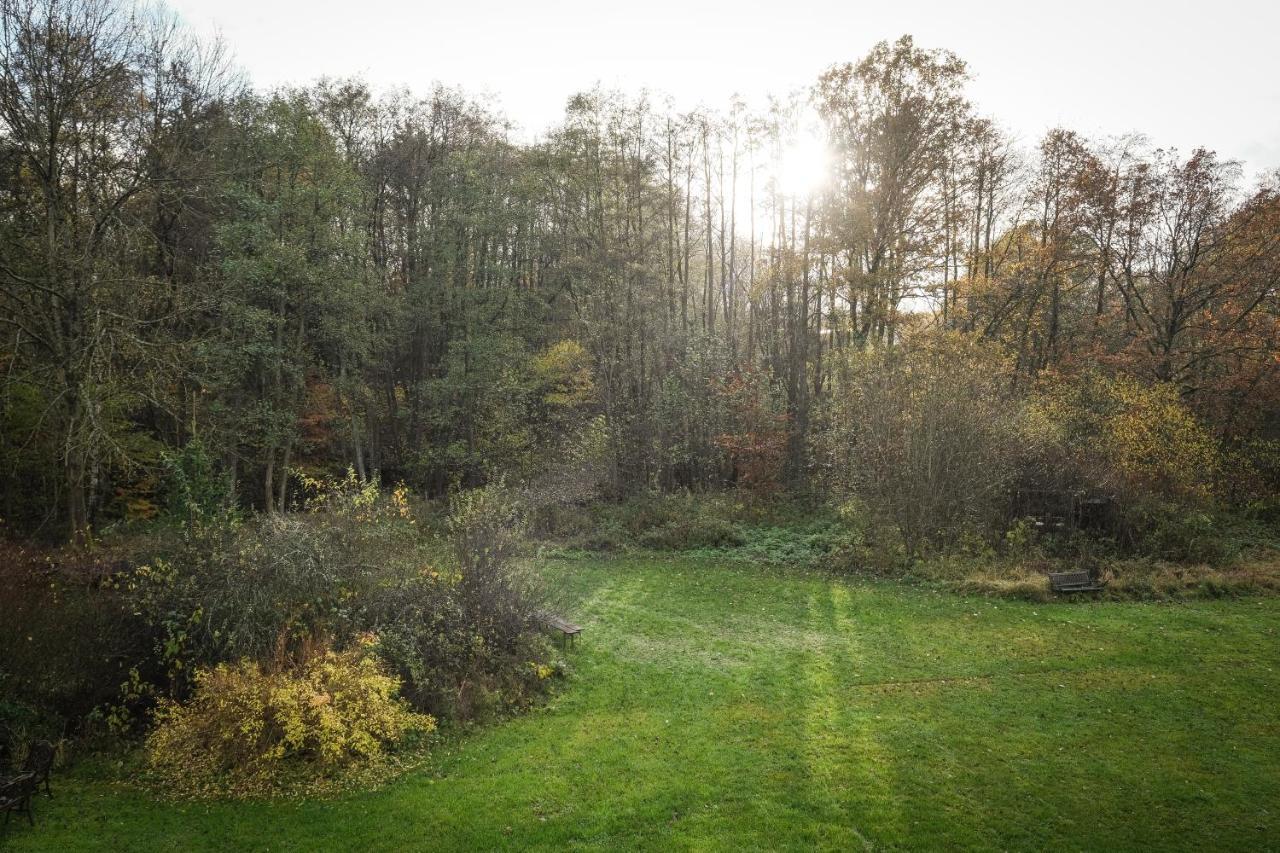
(1072, 582)
(567, 629)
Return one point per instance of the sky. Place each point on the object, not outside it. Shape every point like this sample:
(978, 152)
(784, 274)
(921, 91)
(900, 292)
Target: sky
(1185, 74)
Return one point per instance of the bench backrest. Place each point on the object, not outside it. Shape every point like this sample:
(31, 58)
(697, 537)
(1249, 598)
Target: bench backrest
(39, 759)
(1069, 578)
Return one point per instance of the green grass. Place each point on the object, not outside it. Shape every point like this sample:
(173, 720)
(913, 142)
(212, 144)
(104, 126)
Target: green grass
(728, 707)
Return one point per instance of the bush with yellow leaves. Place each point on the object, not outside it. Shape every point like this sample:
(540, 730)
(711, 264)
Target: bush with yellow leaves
(1117, 435)
(246, 728)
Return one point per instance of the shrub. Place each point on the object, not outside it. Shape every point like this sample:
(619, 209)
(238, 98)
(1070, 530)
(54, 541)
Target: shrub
(245, 726)
(20, 722)
(197, 494)
(453, 625)
(270, 589)
(755, 440)
(923, 435)
(608, 535)
(563, 378)
(1118, 436)
(577, 472)
(797, 544)
(1188, 535)
(861, 542)
(462, 636)
(779, 528)
(67, 639)
(691, 532)
(1253, 481)
(498, 595)
(448, 665)
(665, 522)
(1140, 444)
(106, 638)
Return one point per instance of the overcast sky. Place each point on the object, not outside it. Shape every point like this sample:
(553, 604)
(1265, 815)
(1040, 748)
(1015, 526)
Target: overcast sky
(1186, 74)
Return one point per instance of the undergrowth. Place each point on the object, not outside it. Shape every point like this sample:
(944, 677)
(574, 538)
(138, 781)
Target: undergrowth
(1192, 555)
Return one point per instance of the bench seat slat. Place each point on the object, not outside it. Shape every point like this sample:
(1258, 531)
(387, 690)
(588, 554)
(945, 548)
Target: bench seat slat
(559, 624)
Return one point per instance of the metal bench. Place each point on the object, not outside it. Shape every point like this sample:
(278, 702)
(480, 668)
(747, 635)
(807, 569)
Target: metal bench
(15, 796)
(17, 790)
(567, 629)
(1072, 582)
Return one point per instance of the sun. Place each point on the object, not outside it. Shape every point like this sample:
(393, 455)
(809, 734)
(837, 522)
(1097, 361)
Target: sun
(804, 167)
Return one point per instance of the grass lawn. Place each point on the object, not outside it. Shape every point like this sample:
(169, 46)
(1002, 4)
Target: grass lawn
(729, 707)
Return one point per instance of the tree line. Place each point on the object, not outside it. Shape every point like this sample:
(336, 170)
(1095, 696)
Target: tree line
(321, 278)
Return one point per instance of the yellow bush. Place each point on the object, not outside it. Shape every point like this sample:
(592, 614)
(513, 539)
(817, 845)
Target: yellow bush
(1123, 435)
(563, 371)
(1157, 441)
(244, 726)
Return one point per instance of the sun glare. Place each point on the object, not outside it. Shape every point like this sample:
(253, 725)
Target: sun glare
(804, 166)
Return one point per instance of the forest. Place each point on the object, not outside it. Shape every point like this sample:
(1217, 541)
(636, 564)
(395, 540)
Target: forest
(318, 279)
(267, 354)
